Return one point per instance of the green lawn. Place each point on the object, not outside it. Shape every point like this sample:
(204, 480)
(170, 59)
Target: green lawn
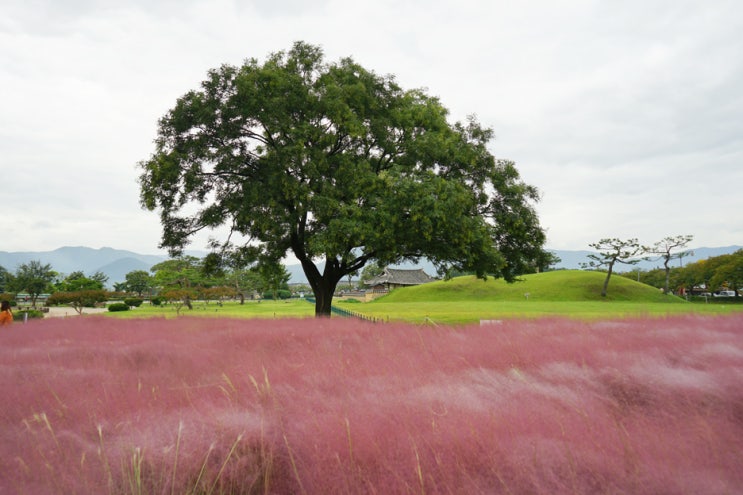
(566, 293)
(294, 308)
(458, 312)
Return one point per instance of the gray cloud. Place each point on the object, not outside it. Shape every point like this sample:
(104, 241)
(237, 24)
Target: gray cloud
(625, 115)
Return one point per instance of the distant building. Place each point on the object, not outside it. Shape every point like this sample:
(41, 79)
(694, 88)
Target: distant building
(392, 278)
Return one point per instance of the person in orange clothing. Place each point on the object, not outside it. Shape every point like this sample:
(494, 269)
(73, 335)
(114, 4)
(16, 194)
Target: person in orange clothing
(6, 315)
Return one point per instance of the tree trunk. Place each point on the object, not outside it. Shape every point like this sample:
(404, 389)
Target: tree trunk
(606, 280)
(323, 286)
(668, 274)
(323, 303)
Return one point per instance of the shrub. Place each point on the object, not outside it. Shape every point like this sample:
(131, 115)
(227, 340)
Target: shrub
(133, 302)
(32, 313)
(118, 307)
(156, 301)
(280, 294)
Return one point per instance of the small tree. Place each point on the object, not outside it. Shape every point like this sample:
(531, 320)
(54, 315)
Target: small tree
(371, 271)
(217, 294)
(78, 299)
(137, 281)
(178, 298)
(664, 248)
(244, 282)
(274, 277)
(34, 278)
(610, 252)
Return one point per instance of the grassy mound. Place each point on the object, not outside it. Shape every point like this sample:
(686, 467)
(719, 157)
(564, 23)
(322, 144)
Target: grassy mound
(562, 285)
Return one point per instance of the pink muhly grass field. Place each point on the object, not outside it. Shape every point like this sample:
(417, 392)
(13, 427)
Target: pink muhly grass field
(155, 406)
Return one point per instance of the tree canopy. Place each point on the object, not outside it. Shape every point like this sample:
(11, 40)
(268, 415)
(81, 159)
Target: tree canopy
(610, 252)
(5, 277)
(664, 248)
(137, 281)
(77, 281)
(78, 299)
(34, 278)
(339, 166)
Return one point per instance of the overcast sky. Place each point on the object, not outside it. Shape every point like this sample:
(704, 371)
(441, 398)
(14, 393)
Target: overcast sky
(627, 115)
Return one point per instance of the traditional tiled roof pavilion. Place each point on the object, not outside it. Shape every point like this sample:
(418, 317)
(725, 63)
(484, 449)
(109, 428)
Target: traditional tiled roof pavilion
(393, 277)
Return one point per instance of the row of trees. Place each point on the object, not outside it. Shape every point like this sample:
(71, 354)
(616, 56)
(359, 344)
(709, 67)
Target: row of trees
(187, 277)
(710, 275)
(35, 278)
(713, 274)
(611, 251)
(179, 280)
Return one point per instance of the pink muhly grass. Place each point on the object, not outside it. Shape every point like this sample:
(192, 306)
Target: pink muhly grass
(642, 406)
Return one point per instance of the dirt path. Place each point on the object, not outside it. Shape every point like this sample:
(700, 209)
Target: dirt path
(62, 312)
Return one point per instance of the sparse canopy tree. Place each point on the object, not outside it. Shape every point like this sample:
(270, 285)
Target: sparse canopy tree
(34, 278)
(664, 248)
(610, 252)
(337, 165)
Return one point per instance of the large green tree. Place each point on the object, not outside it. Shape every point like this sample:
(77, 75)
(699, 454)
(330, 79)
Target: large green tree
(77, 281)
(34, 278)
(137, 281)
(339, 166)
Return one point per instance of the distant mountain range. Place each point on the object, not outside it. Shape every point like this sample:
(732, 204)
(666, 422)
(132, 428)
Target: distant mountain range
(116, 263)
